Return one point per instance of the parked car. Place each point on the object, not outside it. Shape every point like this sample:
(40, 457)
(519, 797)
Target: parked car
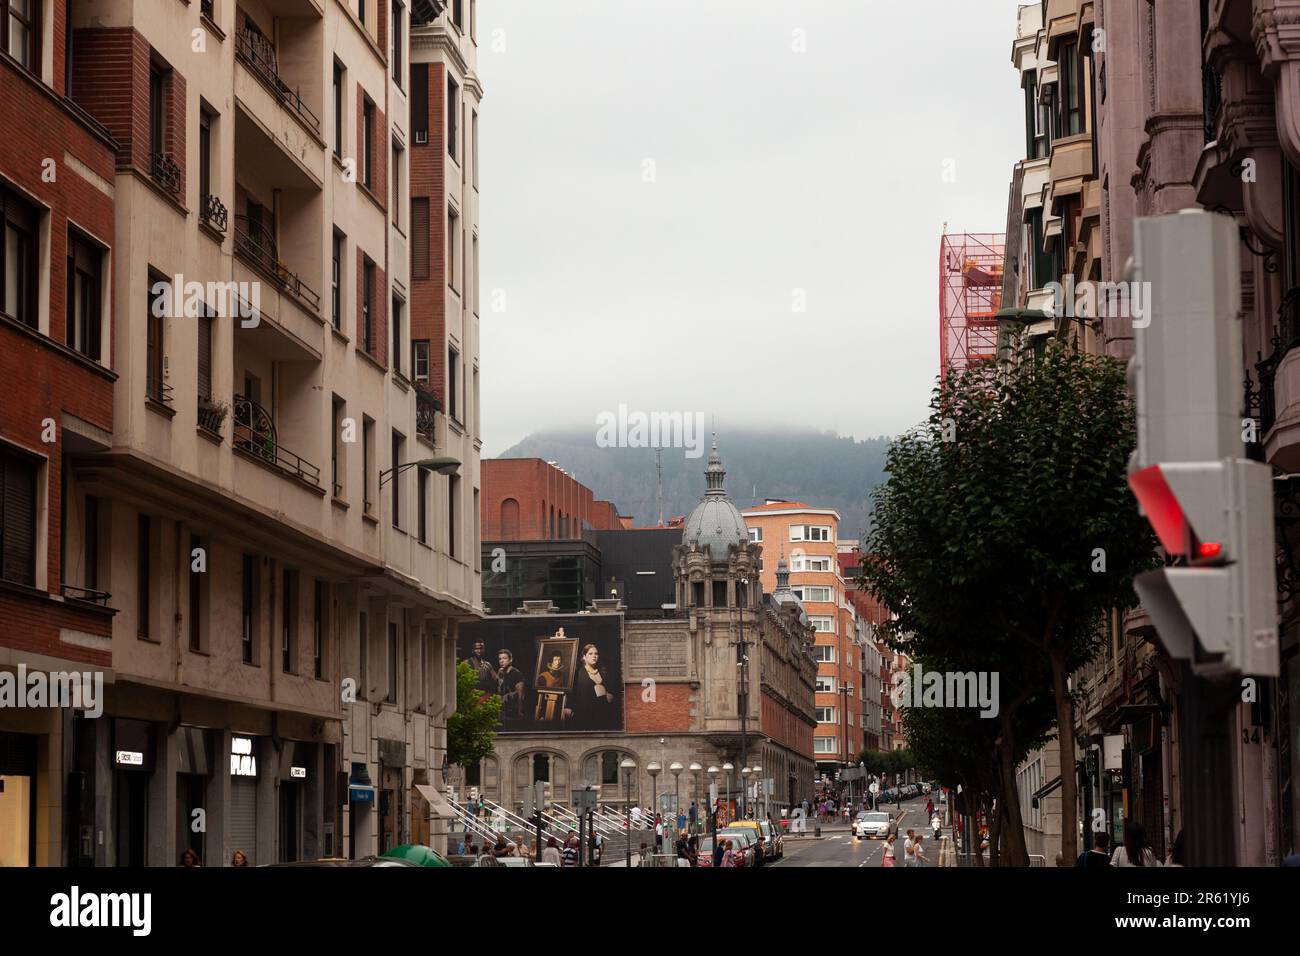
(871, 824)
(773, 838)
(765, 849)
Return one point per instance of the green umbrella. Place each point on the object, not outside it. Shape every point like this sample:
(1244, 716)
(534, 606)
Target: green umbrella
(419, 854)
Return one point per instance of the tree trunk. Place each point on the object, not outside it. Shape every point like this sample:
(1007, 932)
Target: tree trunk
(1065, 740)
(995, 835)
(972, 828)
(1008, 796)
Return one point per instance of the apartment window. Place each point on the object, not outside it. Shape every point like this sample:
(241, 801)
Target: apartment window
(817, 564)
(338, 109)
(755, 534)
(288, 620)
(810, 532)
(198, 581)
(453, 108)
(396, 176)
(397, 334)
(155, 327)
(157, 103)
(398, 444)
(824, 653)
(477, 557)
(825, 745)
(21, 36)
(248, 610)
(143, 582)
(457, 12)
(1071, 87)
(361, 11)
(825, 685)
(422, 505)
(391, 697)
(473, 292)
(827, 715)
(420, 103)
(336, 441)
(320, 601)
(367, 299)
(814, 594)
(367, 455)
(396, 30)
(206, 118)
(823, 625)
(18, 258)
(477, 424)
(1043, 262)
(363, 656)
(420, 360)
(473, 142)
(453, 222)
(420, 238)
(336, 279)
(368, 144)
(18, 509)
(453, 521)
(85, 264)
(205, 357)
(453, 382)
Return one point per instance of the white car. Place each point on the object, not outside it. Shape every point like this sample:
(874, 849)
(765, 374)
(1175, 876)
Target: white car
(871, 824)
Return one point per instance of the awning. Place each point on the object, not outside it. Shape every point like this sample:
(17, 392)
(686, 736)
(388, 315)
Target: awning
(438, 805)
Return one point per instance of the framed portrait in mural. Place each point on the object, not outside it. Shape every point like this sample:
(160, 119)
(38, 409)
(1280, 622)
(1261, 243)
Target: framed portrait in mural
(557, 657)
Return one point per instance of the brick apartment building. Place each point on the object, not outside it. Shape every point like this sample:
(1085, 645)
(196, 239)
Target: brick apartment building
(232, 513)
(527, 499)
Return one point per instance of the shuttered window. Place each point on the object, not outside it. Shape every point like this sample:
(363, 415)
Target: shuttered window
(18, 518)
(420, 102)
(205, 355)
(420, 238)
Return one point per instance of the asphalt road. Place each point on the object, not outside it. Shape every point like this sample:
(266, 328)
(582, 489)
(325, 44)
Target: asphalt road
(837, 847)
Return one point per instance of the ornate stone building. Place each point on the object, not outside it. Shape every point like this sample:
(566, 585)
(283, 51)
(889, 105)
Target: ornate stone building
(726, 676)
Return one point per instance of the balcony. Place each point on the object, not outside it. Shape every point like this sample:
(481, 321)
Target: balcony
(212, 415)
(256, 52)
(255, 244)
(426, 408)
(256, 437)
(213, 214)
(165, 172)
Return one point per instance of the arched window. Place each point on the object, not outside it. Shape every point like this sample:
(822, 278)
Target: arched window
(510, 519)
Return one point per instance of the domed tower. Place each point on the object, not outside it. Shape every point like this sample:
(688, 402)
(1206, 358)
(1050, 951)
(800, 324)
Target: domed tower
(716, 563)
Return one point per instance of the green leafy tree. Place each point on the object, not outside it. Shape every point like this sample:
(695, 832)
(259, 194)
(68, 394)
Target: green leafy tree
(472, 729)
(1004, 535)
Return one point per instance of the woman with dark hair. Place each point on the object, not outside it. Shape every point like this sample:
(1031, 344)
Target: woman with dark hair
(190, 859)
(591, 705)
(238, 859)
(1134, 851)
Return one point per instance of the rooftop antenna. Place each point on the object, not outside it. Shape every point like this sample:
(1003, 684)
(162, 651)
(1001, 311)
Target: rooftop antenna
(659, 483)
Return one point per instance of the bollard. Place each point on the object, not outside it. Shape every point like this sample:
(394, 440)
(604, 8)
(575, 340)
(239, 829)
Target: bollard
(817, 831)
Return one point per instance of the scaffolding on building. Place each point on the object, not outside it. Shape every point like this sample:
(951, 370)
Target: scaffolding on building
(970, 294)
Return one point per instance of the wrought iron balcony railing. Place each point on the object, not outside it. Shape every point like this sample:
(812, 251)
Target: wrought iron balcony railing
(165, 173)
(255, 242)
(158, 390)
(89, 595)
(213, 212)
(256, 51)
(255, 434)
(426, 408)
(212, 415)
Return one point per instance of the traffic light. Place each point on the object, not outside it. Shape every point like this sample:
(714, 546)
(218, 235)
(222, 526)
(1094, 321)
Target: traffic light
(1211, 508)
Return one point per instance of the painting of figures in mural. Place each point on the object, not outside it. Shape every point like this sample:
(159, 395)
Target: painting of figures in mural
(553, 673)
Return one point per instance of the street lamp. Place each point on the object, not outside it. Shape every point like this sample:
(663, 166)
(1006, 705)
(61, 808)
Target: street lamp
(695, 770)
(744, 792)
(442, 464)
(676, 769)
(713, 772)
(730, 769)
(627, 766)
(758, 783)
(654, 769)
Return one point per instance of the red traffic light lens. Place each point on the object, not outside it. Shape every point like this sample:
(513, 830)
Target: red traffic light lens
(1209, 549)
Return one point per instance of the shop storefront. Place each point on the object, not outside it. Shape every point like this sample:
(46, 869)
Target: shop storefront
(194, 766)
(242, 820)
(296, 759)
(133, 764)
(17, 799)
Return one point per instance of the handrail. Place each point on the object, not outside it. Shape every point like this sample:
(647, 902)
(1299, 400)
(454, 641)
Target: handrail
(257, 242)
(77, 593)
(165, 172)
(255, 434)
(213, 212)
(259, 54)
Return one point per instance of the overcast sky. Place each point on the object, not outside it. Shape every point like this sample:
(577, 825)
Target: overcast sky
(772, 170)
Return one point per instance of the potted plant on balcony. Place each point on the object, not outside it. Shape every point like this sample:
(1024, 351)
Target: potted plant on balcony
(212, 414)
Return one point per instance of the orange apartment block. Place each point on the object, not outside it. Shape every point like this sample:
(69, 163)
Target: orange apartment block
(806, 537)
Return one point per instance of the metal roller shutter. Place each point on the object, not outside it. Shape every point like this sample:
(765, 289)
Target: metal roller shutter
(243, 818)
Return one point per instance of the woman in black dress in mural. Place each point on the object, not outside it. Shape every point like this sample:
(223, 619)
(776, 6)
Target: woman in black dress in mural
(591, 704)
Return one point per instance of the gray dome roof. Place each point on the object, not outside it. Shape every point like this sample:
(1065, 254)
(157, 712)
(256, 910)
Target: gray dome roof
(715, 523)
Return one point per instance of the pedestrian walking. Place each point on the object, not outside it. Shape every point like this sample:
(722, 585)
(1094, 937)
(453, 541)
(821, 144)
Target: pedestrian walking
(659, 834)
(1134, 851)
(918, 851)
(597, 848)
(693, 849)
(719, 847)
(909, 849)
(728, 857)
(636, 817)
(569, 855)
(501, 847)
(936, 825)
(887, 858)
(1098, 856)
(551, 854)
(694, 815)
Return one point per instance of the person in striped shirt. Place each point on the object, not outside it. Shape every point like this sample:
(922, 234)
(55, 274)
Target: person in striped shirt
(570, 853)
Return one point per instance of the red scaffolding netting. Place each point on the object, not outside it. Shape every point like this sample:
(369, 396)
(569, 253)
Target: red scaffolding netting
(970, 294)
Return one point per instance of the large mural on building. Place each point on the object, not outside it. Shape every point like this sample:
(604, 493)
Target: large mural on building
(552, 672)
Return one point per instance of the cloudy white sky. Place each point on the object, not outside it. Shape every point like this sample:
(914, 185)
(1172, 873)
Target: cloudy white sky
(774, 170)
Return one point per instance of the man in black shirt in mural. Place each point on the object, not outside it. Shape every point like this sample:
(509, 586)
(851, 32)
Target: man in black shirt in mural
(510, 685)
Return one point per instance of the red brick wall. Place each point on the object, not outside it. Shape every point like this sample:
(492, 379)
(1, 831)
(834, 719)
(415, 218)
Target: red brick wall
(110, 80)
(539, 488)
(428, 302)
(784, 727)
(32, 624)
(669, 711)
